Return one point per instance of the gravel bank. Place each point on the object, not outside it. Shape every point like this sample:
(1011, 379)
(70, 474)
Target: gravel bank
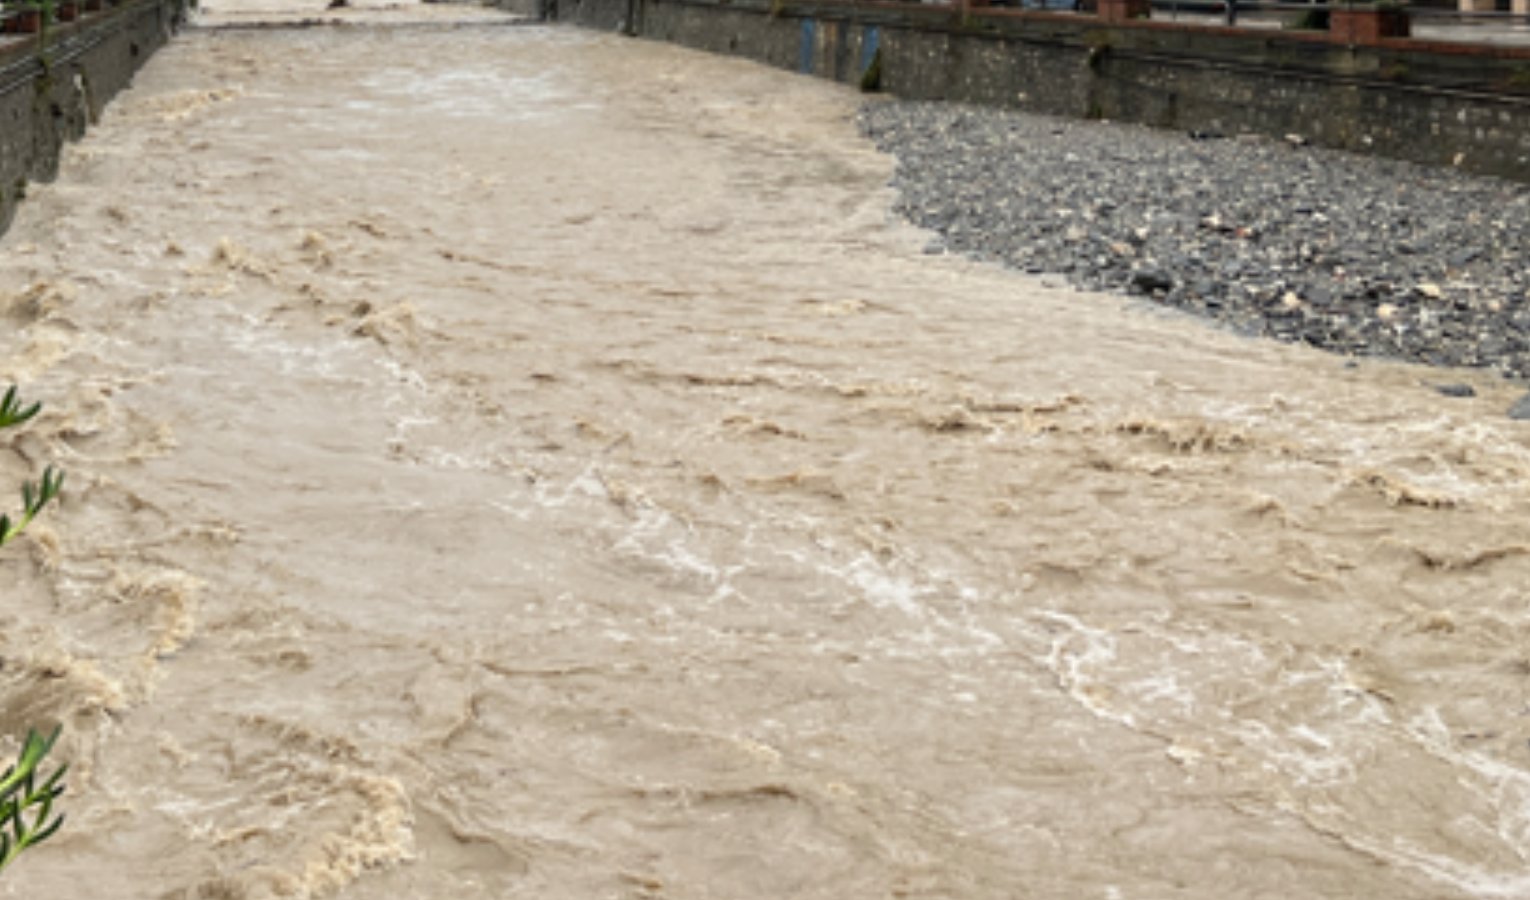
(1356, 255)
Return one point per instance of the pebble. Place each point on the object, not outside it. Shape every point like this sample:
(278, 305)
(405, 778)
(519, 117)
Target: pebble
(1385, 258)
(1149, 280)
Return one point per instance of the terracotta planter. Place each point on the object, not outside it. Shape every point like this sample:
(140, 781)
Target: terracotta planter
(1122, 10)
(1367, 25)
(24, 21)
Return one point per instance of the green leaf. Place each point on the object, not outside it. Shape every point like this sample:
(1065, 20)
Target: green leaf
(11, 411)
(26, 814)
(48, 832)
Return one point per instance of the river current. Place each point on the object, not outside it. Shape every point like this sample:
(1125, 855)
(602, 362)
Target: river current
(512, 461)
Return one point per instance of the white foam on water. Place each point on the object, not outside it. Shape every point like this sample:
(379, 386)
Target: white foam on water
(1075, 669)
(1504, 786)
(881, 588)
(475, 93)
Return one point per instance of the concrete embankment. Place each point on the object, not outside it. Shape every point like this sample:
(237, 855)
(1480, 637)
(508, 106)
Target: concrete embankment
(1447, 104)
(53, 86)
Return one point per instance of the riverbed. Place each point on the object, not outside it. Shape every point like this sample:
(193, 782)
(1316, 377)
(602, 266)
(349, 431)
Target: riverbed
(511, 461)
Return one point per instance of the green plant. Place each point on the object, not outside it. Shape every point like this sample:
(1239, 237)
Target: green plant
(26, 5)
(1098, 50)
(1310, 20)
(871, 79)
(26, 808)
(34, 495)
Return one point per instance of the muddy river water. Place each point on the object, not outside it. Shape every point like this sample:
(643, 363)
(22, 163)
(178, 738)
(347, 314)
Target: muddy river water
(509, 461)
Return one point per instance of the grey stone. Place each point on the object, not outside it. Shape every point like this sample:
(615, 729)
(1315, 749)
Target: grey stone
(1149, 280)
(1343, 233)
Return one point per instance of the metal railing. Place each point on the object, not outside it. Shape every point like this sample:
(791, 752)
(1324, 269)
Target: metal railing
(1502, 27)
(1440, 24)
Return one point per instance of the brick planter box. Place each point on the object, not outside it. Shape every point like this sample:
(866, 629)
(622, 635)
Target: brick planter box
(24, 21)
(1122, 10)
(1367, 25)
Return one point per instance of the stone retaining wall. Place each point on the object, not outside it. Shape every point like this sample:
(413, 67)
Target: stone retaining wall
(1447, 104)
(53, 87)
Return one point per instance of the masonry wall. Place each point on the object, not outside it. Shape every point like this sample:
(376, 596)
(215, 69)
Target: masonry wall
(1431, 103)
(51, 89)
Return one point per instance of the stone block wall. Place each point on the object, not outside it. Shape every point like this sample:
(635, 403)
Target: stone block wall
(1467, 106)
(53, 87)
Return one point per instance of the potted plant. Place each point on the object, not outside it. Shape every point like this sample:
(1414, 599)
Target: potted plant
(23, 16)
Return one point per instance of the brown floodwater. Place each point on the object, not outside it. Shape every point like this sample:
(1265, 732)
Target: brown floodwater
(509, 461)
